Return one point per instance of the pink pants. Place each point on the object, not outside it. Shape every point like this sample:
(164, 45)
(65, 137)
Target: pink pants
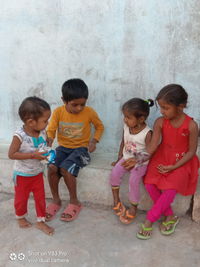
(162, 201)
(136, 175)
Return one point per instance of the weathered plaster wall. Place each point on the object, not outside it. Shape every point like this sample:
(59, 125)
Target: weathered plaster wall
(121, 48)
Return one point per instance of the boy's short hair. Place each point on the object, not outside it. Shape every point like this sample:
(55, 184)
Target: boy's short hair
(74, 89)
(32, 108)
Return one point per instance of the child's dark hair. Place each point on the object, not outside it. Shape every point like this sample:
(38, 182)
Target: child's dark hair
(74, 89)
(173, 94)
(138, 107)
(32, 108)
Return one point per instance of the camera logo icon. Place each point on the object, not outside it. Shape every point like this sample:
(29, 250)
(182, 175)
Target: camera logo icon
(12, 256)
(20, 256)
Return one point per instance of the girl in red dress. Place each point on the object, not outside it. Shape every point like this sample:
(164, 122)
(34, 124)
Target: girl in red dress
(173, 167)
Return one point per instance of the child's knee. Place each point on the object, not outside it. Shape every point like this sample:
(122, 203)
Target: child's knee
(114, 179)
(115, 173)
(64, 172)
(52, 169)
(134, 182)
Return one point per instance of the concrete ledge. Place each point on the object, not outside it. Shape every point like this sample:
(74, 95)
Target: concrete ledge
(196, 205)
(196, 199)
(93, 185)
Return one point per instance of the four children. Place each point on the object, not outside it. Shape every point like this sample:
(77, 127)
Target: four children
(172, 169)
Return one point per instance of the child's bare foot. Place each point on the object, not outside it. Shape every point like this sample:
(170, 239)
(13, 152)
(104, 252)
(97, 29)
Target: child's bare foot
(23, 223)
(45, 228)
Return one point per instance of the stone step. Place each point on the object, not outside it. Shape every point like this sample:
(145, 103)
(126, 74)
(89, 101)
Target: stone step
(93, 184)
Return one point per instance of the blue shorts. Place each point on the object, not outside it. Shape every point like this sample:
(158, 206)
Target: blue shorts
(71, 159)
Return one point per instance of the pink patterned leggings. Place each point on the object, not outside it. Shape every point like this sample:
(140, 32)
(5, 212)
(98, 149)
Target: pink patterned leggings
(136, 175)
(162, 201)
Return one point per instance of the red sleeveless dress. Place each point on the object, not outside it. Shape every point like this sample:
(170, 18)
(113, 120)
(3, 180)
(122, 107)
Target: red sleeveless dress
(175, 142)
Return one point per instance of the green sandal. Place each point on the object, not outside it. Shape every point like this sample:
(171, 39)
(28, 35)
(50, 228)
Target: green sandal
(172, 224)
(144, 229)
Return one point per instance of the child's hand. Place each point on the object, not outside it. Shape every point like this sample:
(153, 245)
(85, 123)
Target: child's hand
(163, 169)
(92, 145)
(129, 164)
(115, 162)
(38, 155)
(49, 141)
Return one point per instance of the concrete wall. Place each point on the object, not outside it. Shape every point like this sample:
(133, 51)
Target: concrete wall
(121, 48)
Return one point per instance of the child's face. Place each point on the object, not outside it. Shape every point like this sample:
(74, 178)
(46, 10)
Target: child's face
(41, 123)
(130, 120)
(75, 106)
(169, 111)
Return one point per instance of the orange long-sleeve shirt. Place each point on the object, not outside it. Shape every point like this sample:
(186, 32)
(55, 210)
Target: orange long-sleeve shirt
(74, 130)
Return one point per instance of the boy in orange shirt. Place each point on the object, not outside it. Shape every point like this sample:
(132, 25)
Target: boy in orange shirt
(72, 124)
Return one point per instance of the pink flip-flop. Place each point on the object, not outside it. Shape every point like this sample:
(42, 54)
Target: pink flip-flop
(73, 211)
(52, 209)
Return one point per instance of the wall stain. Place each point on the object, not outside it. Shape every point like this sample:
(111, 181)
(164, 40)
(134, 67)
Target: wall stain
(89, 72)
(38, 90)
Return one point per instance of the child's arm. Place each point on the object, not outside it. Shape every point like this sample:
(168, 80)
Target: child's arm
(120, 153)
(193, 142)
(92, 145)
(52, 128)
(49, 141)
(154, 141)
(148, 138)
(14, 153)
(99, 128)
